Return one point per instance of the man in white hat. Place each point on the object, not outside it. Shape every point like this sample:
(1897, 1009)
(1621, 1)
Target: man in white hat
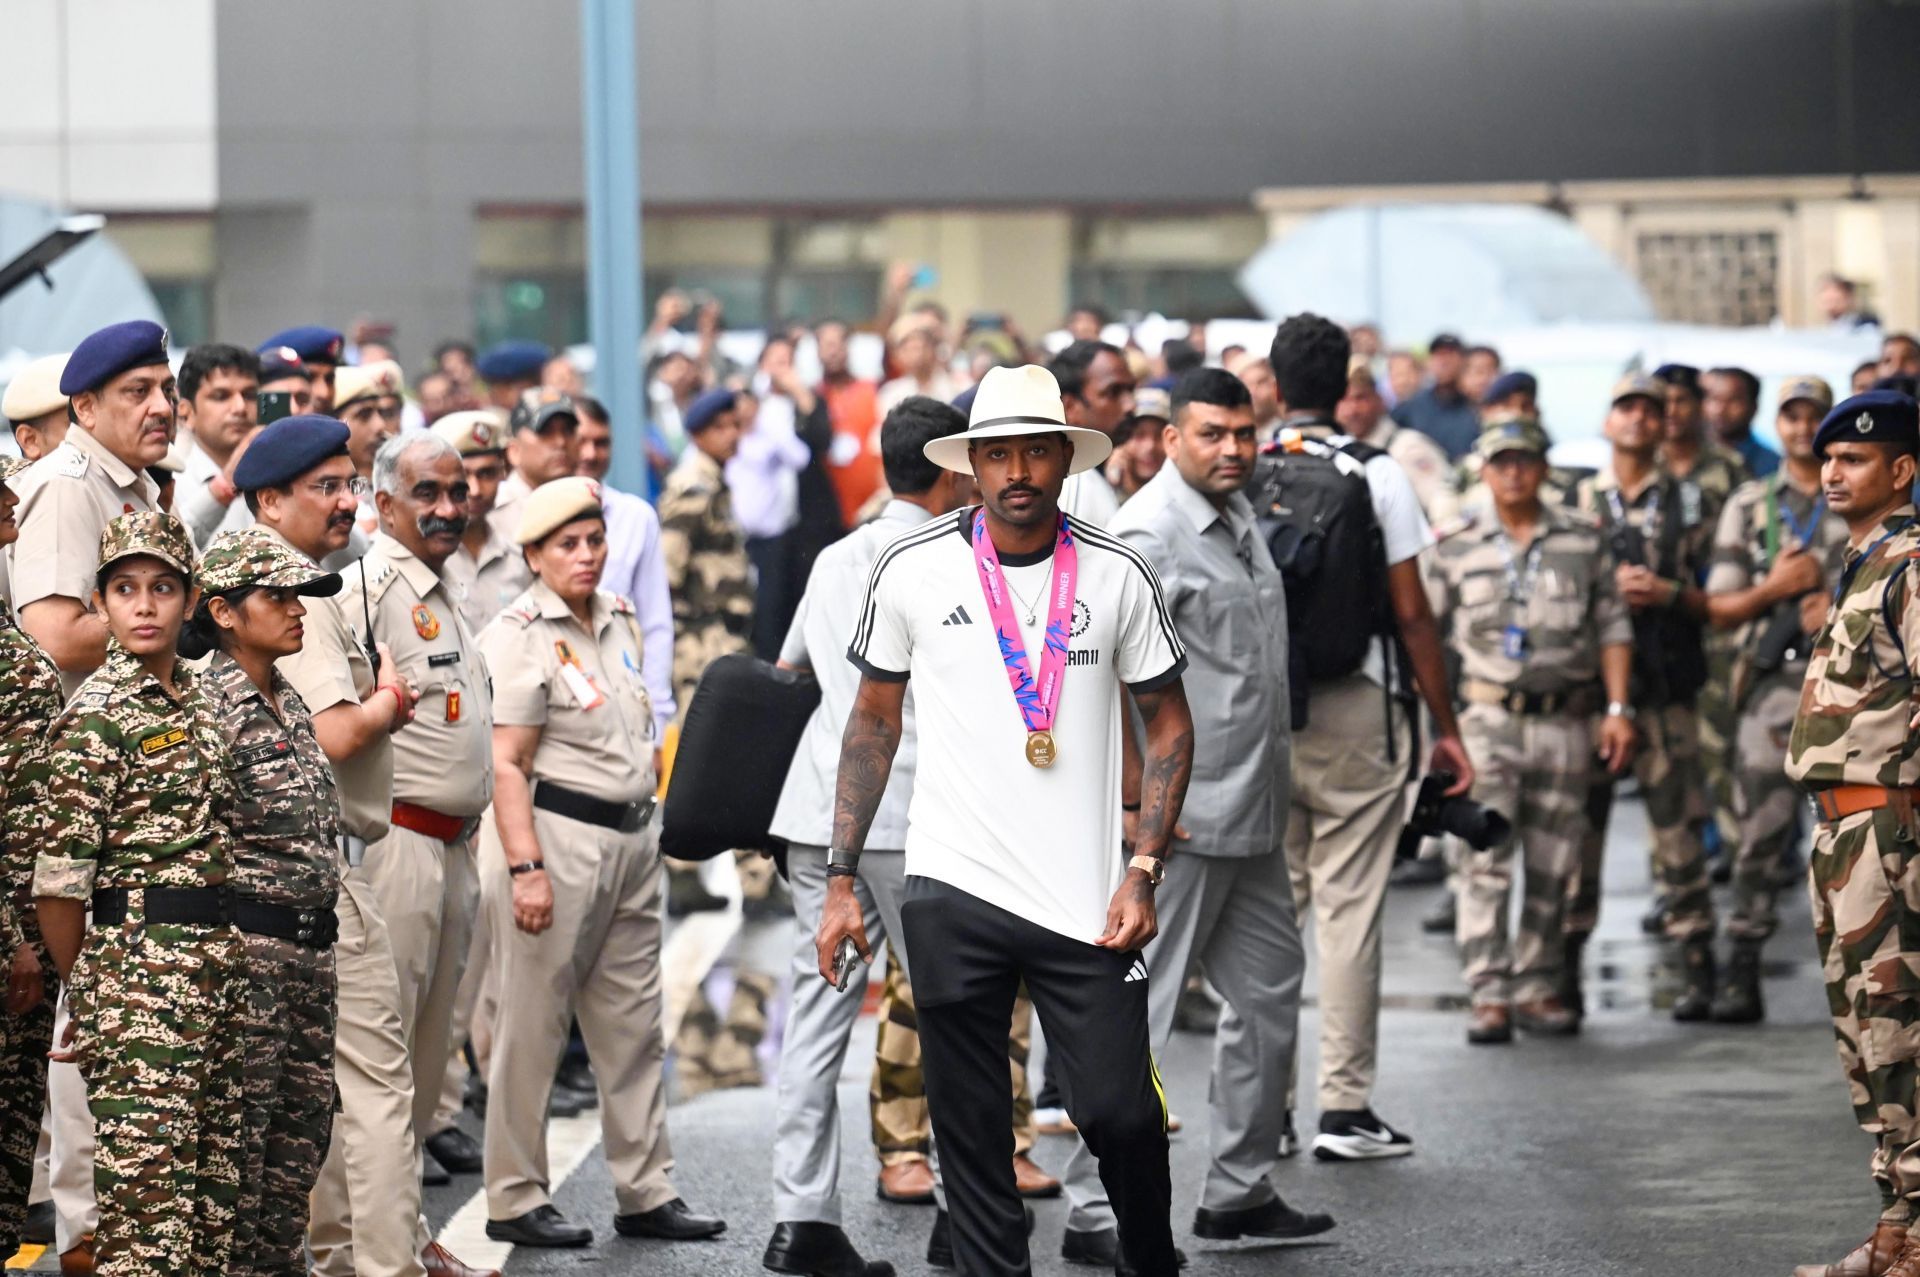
(35, 408)
(1019, 628)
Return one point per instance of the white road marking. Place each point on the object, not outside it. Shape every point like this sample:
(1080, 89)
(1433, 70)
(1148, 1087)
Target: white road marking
(569, 1140)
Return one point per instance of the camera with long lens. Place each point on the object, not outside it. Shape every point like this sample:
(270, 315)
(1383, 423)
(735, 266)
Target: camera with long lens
(1477, 824)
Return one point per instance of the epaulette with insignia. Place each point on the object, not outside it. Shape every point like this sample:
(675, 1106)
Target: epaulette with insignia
(70, 461)
(1455, 526)
(379, 579)
(525, 615)
(623, 604)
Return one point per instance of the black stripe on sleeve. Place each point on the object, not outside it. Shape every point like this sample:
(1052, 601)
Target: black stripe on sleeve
(863, 628)
(1161, 679)
(874, 672)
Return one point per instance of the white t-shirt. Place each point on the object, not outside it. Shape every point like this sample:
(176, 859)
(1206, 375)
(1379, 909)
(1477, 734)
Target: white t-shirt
(1403, 527)
(1041, 843)
(1088, 497)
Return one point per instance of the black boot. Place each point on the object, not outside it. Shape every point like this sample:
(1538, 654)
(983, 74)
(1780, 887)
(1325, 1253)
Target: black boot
(1695, 1002)
(1738, 1001)
(1572, 989)
(1442, 918)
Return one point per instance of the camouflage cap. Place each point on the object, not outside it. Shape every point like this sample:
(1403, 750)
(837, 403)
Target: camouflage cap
(1639, 385)
(251, 556)
(147, 532)
(10, 466)
(1814, 390)
(1513, 432)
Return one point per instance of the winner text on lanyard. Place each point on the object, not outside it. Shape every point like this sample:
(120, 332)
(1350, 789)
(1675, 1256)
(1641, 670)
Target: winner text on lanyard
(1038, 699)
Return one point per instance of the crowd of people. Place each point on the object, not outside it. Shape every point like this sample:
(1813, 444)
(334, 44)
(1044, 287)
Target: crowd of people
(335, 711)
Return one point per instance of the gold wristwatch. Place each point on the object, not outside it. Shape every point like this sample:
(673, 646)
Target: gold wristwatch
(1154, 867)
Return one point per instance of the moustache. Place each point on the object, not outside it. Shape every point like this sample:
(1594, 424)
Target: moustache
(340, 521)
(432, 525)
(1019, 489)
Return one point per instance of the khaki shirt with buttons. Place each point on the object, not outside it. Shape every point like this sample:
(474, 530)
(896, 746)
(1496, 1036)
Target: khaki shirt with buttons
(487, 582)
(67, 498)
(605, 750)
(331, 668)
(443, 759)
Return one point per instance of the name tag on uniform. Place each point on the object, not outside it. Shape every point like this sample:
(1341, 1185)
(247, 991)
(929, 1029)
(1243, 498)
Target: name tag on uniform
(165, 740)
(582, 687)
(440, 660)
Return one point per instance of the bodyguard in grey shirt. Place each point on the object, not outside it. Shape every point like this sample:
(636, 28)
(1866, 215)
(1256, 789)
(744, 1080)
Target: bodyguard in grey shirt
(1226, 899)
(807, 1237)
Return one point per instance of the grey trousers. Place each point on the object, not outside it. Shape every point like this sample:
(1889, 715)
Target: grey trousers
(1237, 917)
(806, 1142)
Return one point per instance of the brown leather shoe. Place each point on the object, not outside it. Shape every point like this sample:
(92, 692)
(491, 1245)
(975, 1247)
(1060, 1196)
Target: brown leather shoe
(1905, 1264)
(1871, 1258)
(78, 1262)
(1031, 1180)
(440, 1262)
(1549, 1017)
(908, 1183)
(1490, 1023)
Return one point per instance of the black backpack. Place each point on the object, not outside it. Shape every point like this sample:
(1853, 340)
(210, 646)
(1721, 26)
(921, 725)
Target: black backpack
(1317, 518)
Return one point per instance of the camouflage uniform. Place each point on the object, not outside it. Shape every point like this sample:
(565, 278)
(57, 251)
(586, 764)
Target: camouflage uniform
(1670, 515)
(1748, 540)
(29, 700)
(1718, 473)
(136, 781)
(1529, 725)
(286, 851)
(897, 1093)
(1851, 729)
(707, 570)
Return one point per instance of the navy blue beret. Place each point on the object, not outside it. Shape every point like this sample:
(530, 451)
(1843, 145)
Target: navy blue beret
(512, 361)
(280, 362)
(702, 411)
(314, 344)
(1511, 383)
(288, 449)
(102, 356)
(1684, 376)
(1876, 416)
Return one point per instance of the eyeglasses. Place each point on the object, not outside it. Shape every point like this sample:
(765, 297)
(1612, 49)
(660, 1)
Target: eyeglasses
(329, 488)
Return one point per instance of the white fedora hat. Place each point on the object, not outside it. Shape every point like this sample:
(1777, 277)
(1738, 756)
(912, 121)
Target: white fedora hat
(1018, 401)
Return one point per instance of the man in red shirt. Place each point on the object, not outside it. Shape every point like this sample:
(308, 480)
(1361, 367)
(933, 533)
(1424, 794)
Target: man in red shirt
(853, 462)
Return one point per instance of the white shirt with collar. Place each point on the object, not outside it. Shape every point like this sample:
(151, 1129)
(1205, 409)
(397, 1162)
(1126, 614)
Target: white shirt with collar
(637, 572)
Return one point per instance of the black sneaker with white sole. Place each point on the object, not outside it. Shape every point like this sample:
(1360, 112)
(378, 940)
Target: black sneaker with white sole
(1356, 1135)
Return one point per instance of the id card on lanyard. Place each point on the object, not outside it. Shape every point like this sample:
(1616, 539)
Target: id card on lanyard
(1520, 583)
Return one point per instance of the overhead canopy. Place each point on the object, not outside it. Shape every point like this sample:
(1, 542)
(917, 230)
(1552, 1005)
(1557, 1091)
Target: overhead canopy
(93, 286)
(1421, 269)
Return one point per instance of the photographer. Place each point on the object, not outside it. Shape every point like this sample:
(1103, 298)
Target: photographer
(1657, 534)
(1544, 642)
(1775, 554)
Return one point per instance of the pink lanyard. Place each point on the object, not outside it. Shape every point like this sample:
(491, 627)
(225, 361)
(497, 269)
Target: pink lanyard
(1038, 701)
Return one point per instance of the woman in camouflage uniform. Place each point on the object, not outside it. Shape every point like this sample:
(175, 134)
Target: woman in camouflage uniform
(285, 849)
(129, 817)
(29, 700)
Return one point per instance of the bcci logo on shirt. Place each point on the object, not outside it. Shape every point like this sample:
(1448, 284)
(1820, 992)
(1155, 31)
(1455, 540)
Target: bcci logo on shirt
(1082, 620)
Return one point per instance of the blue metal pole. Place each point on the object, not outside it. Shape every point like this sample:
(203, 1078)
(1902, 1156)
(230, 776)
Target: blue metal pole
(610, 112)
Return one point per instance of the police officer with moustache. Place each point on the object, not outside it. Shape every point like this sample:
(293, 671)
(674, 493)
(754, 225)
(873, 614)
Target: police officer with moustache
(1776, 551)
(1531, 606)
(1853, 750)
(1227, 898)
(285, 849)
(423, 870)
(301, 486)
(572, 878)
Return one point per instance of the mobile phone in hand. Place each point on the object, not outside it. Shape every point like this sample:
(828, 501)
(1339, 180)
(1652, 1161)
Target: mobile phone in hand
(845, 959)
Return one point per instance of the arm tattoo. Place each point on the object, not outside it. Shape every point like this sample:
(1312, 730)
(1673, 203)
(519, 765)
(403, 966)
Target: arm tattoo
(1168, 766)
(866, 759)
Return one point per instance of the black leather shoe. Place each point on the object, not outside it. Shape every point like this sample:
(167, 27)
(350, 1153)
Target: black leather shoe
(579, 1101)
(1100, 1248)
(541, 1226)
(39, 1226)
(1274, 1219)
(432, 1174)
(940, 1240)
(564, 1103)
(577, 1075)
(673, 1222)
(456, 1150)
(475, 1097)
(811, 1249)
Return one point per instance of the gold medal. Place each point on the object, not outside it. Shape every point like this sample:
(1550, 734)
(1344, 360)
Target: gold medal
(1040, 749)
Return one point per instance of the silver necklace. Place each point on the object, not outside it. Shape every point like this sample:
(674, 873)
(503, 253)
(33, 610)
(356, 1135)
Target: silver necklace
(1031, 610)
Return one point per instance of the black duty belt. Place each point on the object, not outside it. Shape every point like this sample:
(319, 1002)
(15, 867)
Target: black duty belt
(316, 928)
(628, 818)
(1585, 699)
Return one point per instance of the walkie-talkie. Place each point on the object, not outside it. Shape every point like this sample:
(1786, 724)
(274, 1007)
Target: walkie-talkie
(366, 613)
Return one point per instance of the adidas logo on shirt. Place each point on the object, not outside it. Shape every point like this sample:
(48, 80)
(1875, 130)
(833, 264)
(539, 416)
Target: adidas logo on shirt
(958, 617)
(1138, 971)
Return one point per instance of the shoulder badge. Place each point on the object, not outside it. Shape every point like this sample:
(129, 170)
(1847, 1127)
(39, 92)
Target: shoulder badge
(623, 605)
(425, 623)
(70, 461)
(1455, 526)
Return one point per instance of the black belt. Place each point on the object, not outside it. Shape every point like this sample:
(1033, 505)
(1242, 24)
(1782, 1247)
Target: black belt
(218, 907)
(628, 818)
(1586, 699)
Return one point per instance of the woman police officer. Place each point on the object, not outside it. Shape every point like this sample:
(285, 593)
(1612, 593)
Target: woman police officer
(285, 875)
(130, 815)
(571, 875)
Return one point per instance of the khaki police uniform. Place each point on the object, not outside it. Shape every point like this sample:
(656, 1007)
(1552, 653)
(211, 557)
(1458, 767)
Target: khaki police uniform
(486, 582)
(1528, 623)
(422, 871)
(593, 782)
(366, 1216)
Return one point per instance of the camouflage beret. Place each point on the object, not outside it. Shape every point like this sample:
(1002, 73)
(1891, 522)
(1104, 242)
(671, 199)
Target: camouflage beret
(147, 532)
(251, 556)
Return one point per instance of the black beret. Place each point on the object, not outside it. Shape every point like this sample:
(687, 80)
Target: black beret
(314, 344)
(288, 449)
(1682, 376)
(701, 412)
(1876, 416)
(102, 356)
(512, 361)
(1511, 383)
